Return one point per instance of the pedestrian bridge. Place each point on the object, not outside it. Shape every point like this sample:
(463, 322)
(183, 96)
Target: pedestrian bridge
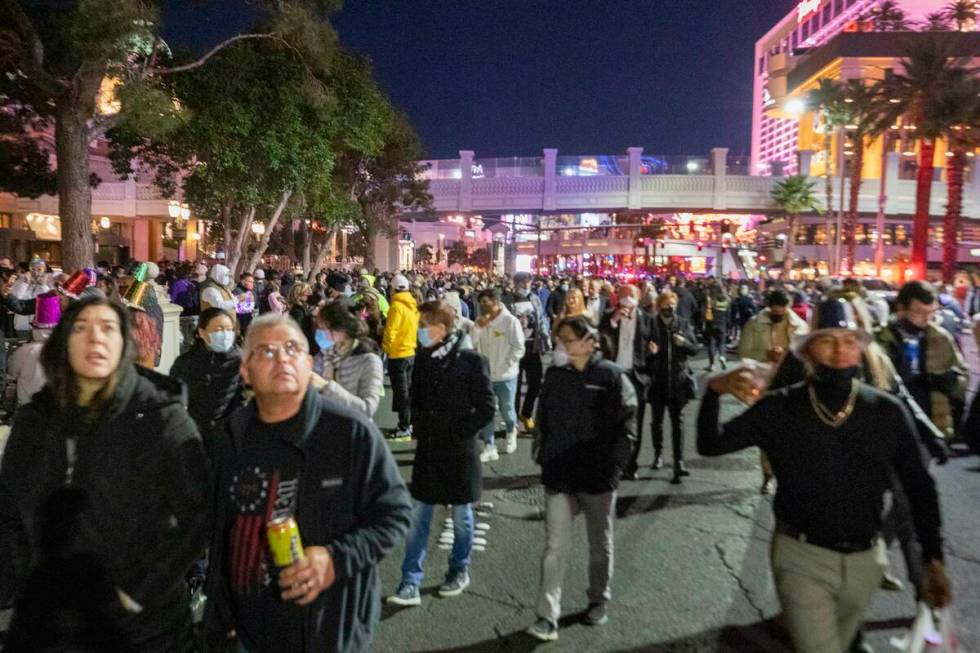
(635, 182)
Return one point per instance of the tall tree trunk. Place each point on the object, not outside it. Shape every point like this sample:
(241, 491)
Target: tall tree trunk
(233, 256)
(852, 209)
(253, 261)
(321, 256)
(307, 244)
(74, 191)
(923, 193)
(792, 227)
(370, 233)
(954, 204)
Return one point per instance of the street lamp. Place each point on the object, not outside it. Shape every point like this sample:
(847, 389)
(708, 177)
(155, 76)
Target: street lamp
(105, 222)
(258, 228)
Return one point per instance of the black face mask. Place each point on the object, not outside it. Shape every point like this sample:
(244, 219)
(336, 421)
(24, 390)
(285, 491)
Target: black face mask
(912, 329)
(776, 319)
(837, 378)
(667, 312)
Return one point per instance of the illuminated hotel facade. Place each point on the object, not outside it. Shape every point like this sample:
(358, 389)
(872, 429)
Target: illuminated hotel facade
(775, 141)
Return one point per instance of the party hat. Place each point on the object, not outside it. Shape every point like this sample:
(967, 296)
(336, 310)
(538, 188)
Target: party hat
(139, 272)
(78, 282)
(47, 311)
(135, 294)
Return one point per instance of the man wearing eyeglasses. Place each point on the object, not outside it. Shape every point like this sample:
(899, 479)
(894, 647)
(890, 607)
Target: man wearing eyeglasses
(925, 355)
(290, 453)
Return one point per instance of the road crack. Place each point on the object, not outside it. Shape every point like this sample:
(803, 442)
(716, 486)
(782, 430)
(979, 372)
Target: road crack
(738, 580)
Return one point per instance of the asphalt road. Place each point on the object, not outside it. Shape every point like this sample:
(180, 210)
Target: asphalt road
(691, 564)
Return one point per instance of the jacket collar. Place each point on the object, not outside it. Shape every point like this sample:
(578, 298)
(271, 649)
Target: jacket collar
(310, 409)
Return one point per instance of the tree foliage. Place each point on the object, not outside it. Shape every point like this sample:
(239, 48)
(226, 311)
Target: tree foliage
(794, 196)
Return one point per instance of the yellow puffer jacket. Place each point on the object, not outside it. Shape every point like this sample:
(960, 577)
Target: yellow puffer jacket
(401, 331)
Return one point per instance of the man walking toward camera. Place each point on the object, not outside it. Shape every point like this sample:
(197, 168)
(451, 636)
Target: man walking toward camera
(291, 454)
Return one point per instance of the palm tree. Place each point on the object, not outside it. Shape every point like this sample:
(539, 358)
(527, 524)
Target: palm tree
(863, 114)
(937, 21)
(794, 195)
(963, 13)
(961, 105)
(828, 99)
(915, 97)
(889, 17)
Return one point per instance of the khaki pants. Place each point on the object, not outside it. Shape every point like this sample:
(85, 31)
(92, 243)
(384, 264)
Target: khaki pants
(824, 594)
(559, 514)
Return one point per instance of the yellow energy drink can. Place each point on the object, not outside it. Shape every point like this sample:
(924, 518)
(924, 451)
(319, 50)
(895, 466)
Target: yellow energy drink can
(284, 542)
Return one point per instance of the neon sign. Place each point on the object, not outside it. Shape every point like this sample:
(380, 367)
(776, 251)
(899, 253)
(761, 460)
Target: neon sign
(805, 8)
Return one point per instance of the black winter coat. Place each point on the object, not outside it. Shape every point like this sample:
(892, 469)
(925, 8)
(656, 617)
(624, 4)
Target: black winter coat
(643, 335)
(145, 476)
(351, 500)
(452, 400)
(586, 427)
(214, 386)
(672, 376)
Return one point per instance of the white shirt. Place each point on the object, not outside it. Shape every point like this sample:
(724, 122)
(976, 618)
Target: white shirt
(627, 334)
(594, 305)
(24, 368)
(212, 296)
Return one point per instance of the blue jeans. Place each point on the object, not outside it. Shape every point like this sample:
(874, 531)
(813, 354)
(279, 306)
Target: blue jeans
(417, 543)
(505, 392)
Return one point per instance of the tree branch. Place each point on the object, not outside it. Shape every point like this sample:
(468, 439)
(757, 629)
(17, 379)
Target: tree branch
(215, 50)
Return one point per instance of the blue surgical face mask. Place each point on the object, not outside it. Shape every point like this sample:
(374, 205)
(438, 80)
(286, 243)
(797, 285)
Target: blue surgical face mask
(221, 341)
(424, 338)
(323, 339)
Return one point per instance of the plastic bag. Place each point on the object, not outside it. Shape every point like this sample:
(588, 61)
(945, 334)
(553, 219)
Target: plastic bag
(949, 643)
(922, 634)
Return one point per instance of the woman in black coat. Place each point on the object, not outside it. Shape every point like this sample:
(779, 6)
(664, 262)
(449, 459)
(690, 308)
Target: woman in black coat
(673, 382)
(210, 370)
(452, 400)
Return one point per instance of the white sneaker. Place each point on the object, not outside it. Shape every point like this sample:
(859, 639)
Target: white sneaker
(489, 455)
(511, 446)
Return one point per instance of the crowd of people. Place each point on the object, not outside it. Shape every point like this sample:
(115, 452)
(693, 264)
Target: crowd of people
(147, 488)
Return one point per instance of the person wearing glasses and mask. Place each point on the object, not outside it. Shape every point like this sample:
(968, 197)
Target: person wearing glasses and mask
(628, 339)
(586, 426)
(291, 453)
(210, 370)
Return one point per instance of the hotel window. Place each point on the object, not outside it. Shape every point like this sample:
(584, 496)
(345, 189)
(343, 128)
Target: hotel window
(825, 14)
(796, 39)
(762, 65)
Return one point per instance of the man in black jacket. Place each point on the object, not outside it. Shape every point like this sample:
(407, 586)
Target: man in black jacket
(833, 466)
(526, 307)
(628, 339)
(673, 382)
(291, 453)
(586, 425)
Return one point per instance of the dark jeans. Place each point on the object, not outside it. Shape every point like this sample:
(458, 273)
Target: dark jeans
(531, 371)
(400, 372)
(641, 411)
(660, 404)
(715, 334)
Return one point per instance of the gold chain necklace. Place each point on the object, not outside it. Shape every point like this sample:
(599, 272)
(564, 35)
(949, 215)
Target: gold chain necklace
(828, 417)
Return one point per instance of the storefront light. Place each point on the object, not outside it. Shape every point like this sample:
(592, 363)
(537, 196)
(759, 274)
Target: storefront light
(105, 222)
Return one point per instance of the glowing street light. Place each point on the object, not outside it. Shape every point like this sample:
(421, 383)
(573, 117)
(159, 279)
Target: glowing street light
(105, 222)
(692, 166)
(795, 107)
(258, 228)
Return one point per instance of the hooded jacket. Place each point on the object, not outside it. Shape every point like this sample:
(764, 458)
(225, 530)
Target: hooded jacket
(142, 468)
(351, 499)
(502, 342)
(356, 378)
(214, 291)
(402, 328)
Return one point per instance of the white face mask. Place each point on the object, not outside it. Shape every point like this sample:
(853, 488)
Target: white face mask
(559, 357)
(628, 302)
(221, 341)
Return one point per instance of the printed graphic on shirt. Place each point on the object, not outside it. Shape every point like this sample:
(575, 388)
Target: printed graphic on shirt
(258, 496)
(524, 311)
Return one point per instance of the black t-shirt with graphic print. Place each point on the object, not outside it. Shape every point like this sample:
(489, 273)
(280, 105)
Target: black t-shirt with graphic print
(262, 486)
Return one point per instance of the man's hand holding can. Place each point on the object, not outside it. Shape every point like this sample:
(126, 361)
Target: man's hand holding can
(303, 580)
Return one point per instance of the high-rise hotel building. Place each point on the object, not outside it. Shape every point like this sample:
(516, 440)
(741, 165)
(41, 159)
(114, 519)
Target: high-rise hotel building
(810, 24)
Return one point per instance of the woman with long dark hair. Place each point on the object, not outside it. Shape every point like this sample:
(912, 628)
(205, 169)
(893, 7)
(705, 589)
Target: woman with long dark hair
(120, 436)
(210, 370)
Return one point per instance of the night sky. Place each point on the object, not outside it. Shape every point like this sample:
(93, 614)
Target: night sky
(510, 77)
